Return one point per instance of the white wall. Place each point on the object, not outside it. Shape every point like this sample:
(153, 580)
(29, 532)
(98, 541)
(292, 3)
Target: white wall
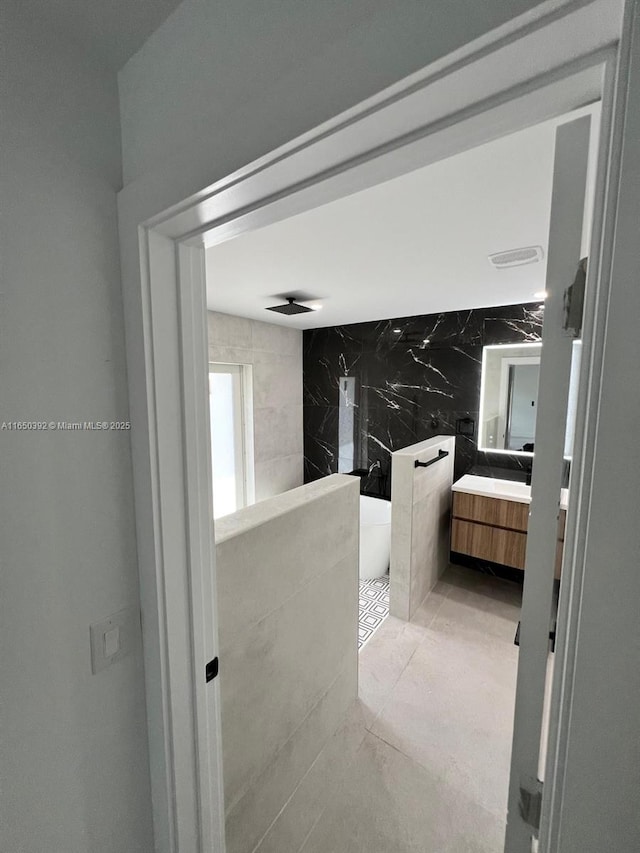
(276, 356)
(288, 604)
(249, 76)
(73, 762)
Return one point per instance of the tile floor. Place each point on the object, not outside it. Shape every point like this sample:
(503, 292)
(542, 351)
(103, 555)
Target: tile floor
(432, 733)
(373, 607)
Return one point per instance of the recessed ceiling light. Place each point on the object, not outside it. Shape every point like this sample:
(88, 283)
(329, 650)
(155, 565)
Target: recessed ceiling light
(426, 340)
(541, 294)
(397, 331)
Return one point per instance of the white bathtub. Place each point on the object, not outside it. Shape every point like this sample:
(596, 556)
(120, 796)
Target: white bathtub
(375, 537)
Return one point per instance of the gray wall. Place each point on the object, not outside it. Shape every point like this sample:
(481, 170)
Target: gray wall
(288, 605)
(275, 354)
(73, 745)
(248, 76)
(420, 522)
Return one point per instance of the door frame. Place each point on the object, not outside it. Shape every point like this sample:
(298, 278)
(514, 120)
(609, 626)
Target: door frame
(566, 230)
(551, 58)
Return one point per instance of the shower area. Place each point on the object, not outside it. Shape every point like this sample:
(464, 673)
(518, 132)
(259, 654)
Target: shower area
(376, 391)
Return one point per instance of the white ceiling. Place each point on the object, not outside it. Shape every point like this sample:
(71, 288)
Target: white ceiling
(414, 245)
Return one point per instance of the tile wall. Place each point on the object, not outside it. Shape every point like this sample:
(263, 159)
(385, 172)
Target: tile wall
(275, 354)
(287, 584)
(409, 385)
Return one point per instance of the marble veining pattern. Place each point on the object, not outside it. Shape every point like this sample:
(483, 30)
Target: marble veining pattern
(411, 384)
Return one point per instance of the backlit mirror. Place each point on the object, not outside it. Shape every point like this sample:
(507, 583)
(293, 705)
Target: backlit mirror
(509, 398)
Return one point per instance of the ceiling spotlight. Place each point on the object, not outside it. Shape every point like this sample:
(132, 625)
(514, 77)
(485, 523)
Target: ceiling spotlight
(541, 294)
(426, 341)
(397, 331)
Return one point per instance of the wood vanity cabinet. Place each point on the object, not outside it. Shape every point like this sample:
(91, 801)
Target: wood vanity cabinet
(495, 529)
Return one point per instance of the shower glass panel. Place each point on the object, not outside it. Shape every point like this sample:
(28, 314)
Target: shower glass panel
(228, 438)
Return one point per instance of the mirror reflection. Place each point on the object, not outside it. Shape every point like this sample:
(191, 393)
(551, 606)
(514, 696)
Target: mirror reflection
(509, 397)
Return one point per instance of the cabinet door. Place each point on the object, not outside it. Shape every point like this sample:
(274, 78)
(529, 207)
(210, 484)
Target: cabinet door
(509, 547)
(472, 539)
(496, 544)
(494, 511)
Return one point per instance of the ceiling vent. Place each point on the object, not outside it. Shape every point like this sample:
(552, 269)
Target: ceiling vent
(291, 307)
(516, 257)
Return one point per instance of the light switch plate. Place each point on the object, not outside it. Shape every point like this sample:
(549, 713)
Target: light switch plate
(113, 638)
(112, 642)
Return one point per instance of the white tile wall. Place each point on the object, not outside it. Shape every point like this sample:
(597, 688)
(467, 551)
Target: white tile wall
(275, 354)
(287, 582)
(420, 523)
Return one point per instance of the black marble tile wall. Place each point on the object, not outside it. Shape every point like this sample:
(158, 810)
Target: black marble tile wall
(414, 378)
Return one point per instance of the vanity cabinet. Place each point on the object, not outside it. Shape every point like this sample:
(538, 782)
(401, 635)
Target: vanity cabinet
(495, 529)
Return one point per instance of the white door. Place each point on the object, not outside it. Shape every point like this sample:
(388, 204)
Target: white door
(537, 616)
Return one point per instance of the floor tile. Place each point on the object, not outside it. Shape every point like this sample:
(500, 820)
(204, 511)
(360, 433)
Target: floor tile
(451, 710)
(486, 608)
(389, 804)
(428, 610)
(437, 698)
(373, 607)
(382, 662)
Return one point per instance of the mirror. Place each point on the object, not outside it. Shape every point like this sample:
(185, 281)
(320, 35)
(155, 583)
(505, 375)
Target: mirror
(509, 398)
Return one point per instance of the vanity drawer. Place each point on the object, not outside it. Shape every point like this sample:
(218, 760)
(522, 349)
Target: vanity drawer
(494, 511)
(507, 547)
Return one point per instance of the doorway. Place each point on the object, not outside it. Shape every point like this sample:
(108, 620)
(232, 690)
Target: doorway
(197, 804)
(377, 356)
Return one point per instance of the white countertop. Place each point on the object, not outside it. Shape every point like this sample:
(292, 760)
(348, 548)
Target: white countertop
(506, 490)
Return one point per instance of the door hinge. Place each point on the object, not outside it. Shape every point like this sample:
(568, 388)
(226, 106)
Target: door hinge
(531, 805)
(211, 670)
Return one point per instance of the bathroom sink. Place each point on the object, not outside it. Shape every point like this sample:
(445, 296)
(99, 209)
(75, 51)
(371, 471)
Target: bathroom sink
(506, 490)
(493, 488)
(512, 489)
